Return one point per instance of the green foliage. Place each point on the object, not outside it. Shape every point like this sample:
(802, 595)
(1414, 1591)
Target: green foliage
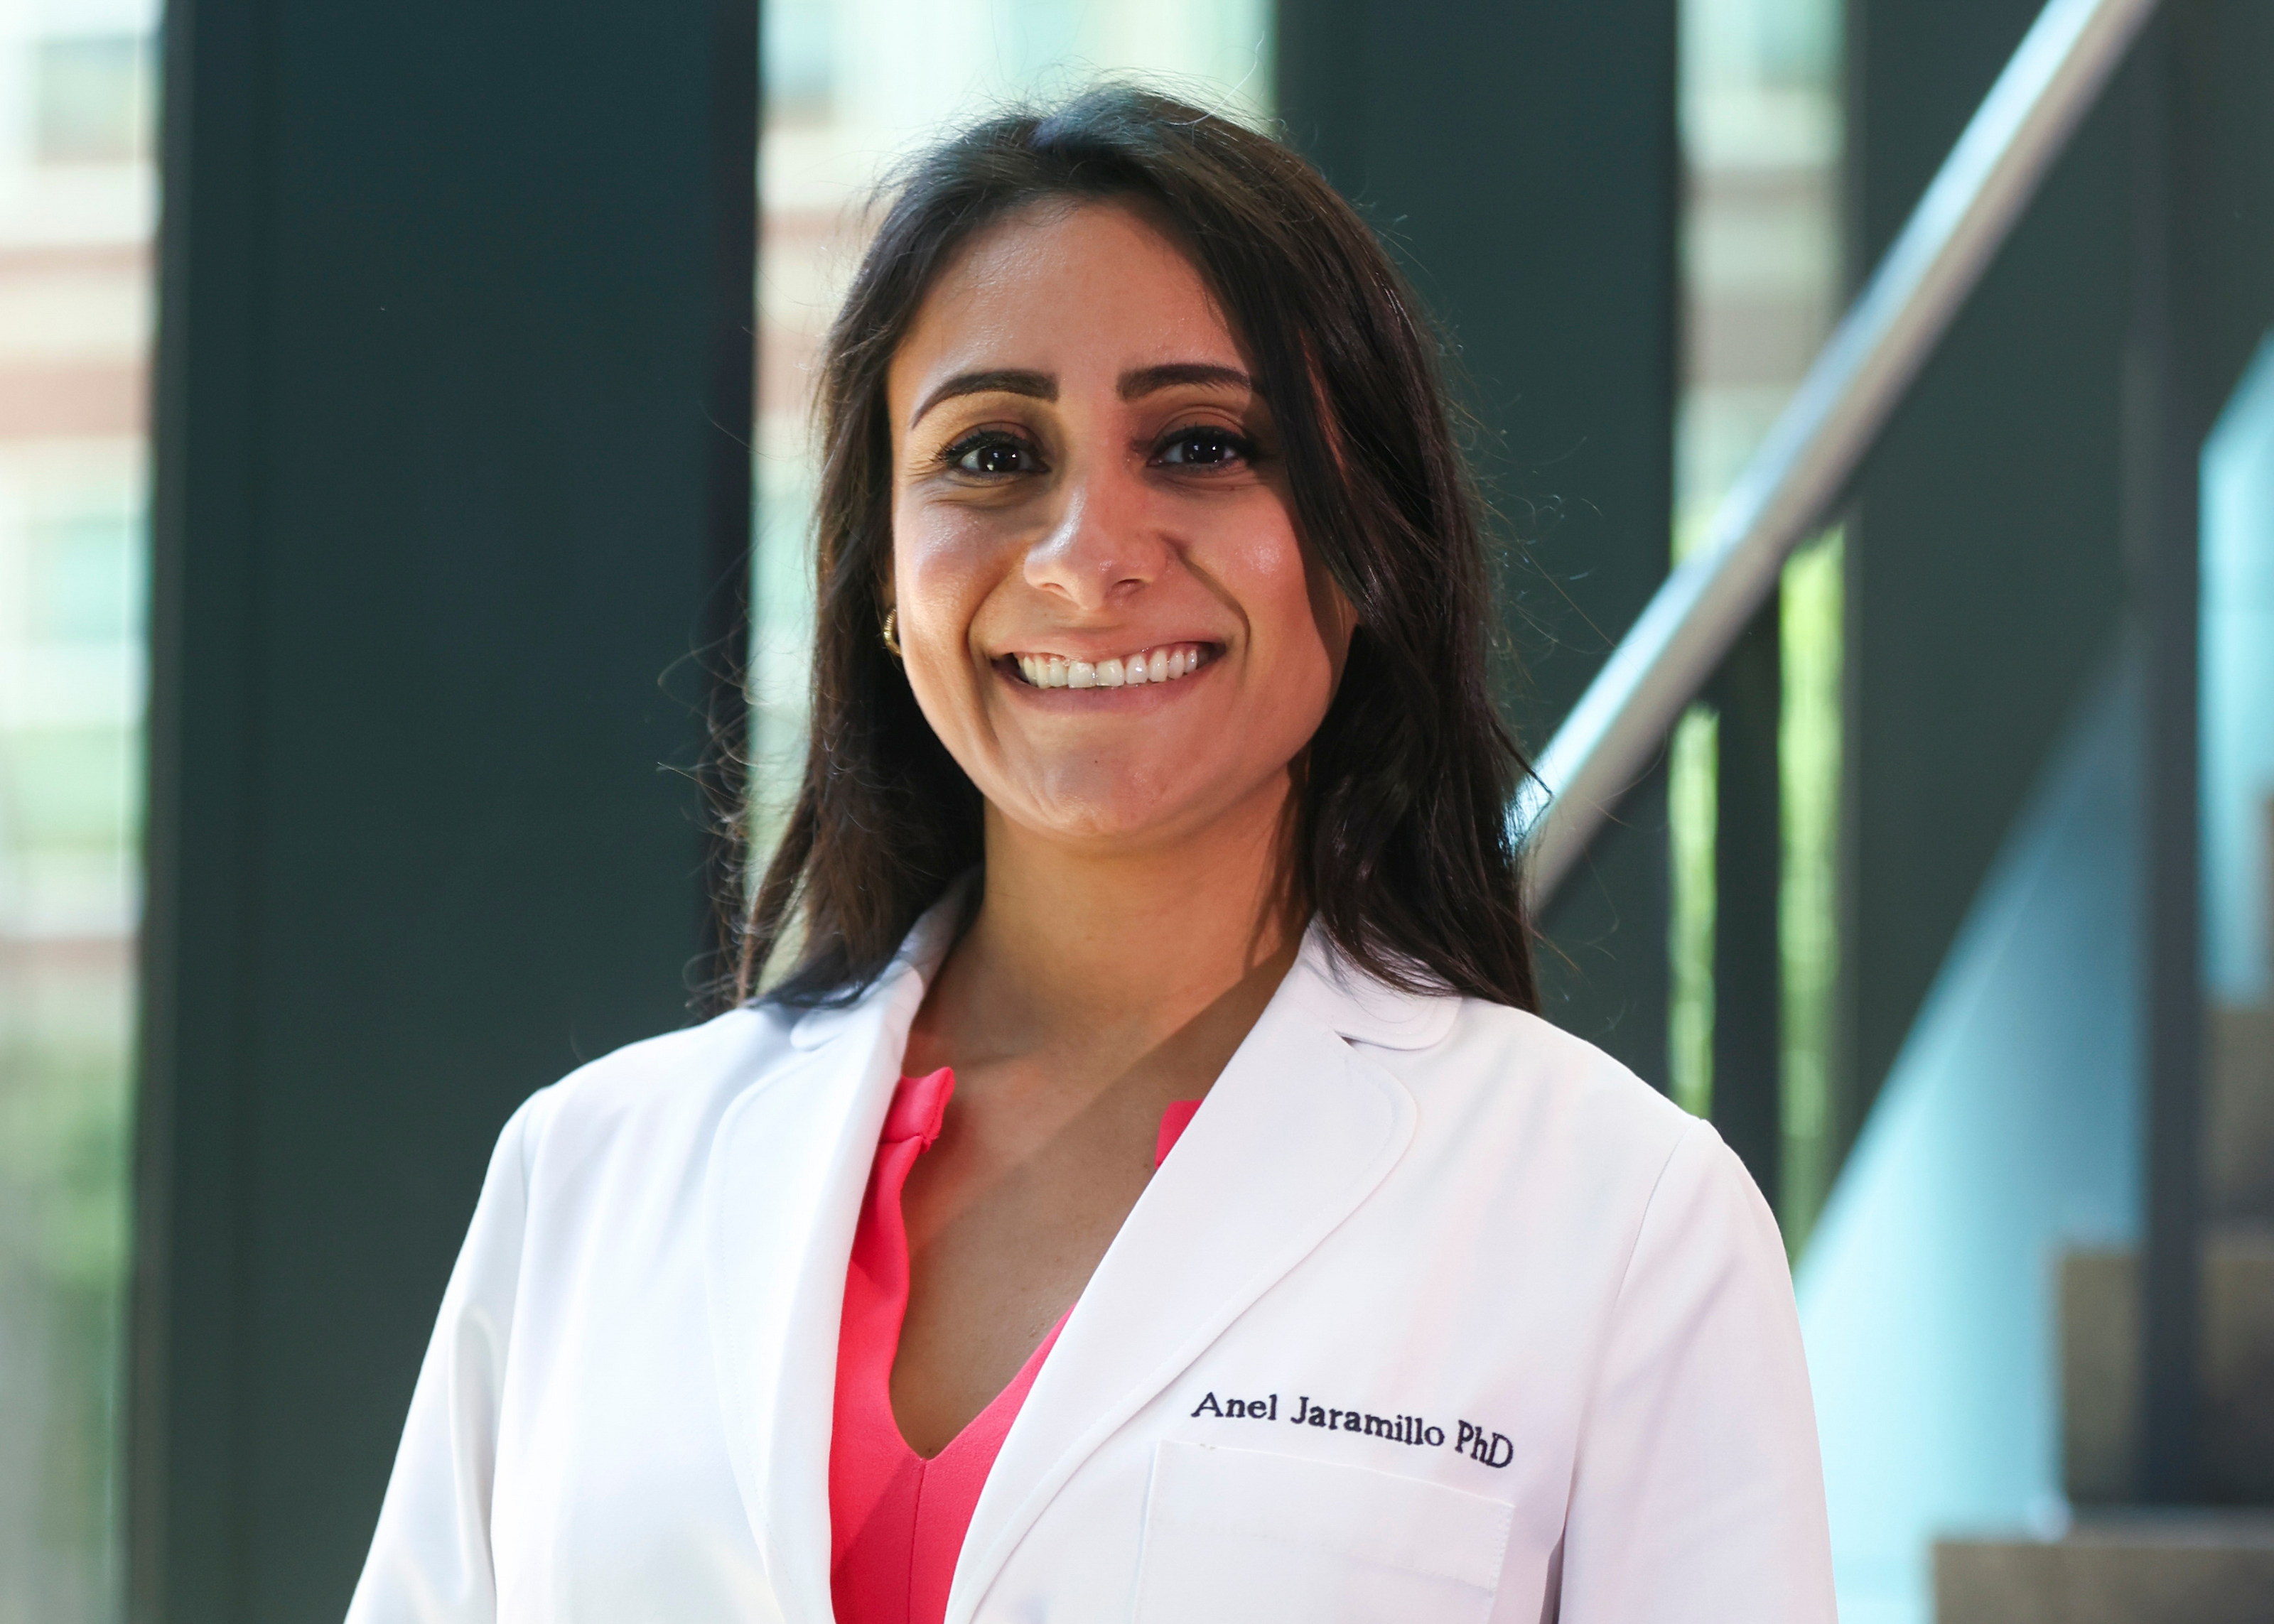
(64, 1094)
(1693, 775)
(1808, 751)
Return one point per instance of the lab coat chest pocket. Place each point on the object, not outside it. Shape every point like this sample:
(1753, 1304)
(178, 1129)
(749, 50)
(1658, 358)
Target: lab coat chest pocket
(1240, 1535)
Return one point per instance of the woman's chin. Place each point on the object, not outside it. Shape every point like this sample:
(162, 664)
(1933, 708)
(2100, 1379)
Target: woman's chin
(1117, 813)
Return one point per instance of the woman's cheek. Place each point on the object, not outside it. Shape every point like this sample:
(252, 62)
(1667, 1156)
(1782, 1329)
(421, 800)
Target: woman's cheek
(940, 565)
(1306, 628)
(937, 675)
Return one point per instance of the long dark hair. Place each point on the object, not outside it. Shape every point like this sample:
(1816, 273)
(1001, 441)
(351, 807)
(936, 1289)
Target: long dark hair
(1403, 846)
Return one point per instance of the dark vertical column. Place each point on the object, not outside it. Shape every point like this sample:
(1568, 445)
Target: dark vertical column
(183, 1456)
(2161, 525)
(2203, 301)
(450, 512)
(1748, 870)
(725, 613)
(1985, 576)
(1521, 158)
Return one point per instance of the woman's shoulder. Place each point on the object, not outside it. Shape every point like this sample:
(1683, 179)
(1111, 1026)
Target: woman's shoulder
(1494, 1047)
(1518, 1095)
(649, 1094)
(1592, 1183)
(1505, 1081)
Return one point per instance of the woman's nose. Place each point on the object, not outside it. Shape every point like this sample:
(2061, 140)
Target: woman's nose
(1102, 548)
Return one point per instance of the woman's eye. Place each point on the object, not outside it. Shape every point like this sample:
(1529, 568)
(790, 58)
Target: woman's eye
(1205, 447)
(993, 454)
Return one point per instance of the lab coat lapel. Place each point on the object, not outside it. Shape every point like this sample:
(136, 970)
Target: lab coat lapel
(1298, 1131)
(787, 1169)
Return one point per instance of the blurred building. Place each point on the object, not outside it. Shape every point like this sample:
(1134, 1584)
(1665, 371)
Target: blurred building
(77, 204)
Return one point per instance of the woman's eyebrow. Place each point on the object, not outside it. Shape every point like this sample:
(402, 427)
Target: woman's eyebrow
(1147, 380)
(1038, 386)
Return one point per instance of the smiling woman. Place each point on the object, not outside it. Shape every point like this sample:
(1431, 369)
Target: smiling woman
(1133, 270)
(1154, 804)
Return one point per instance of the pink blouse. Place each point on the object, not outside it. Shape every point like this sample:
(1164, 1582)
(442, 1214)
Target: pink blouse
(897, 1520)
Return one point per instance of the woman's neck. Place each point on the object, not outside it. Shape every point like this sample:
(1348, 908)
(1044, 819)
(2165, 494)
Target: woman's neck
(1091, 992)
(1163, 952)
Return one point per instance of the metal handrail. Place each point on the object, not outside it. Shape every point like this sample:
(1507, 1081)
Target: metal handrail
(1802, 468)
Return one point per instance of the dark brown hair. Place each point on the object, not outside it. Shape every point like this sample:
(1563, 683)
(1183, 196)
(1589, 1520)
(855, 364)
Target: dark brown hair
(1402, 846)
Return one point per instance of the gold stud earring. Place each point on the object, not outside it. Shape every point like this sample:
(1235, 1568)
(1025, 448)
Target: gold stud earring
(892, 629)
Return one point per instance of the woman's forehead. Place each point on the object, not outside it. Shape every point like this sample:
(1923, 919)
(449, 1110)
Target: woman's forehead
(1091, 287)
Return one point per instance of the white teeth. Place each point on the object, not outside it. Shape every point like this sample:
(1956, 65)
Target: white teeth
(1165, 664)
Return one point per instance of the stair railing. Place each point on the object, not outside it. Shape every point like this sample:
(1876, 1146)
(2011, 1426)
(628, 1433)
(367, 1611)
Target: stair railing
(1803, 467)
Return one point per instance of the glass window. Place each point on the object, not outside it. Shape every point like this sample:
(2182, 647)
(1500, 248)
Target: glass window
(91, 96)
(77, 204)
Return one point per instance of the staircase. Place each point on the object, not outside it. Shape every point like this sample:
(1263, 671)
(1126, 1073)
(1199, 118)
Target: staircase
(2117, 1563)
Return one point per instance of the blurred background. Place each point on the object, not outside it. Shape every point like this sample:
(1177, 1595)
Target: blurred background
(78, 200)
(404, 568)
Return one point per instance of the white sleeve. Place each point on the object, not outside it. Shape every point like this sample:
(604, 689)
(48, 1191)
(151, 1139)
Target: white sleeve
(1699, 1491)
(430, 1559)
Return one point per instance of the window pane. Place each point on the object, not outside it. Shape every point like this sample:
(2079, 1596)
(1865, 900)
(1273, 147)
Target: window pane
(77, 196)
(91, 94)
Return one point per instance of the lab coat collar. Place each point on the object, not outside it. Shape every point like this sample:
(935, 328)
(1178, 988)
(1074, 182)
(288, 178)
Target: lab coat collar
(776, 1302)
(1346, 999)
(919, 955)
(1297, 1133)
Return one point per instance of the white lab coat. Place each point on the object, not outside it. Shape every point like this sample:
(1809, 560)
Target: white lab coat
(1436, 1314)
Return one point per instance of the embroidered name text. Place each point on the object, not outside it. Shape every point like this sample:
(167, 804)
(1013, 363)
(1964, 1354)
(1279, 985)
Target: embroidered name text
(1480, 1444)
(1397, 1429)
(1241, 1409)
(1493, 1448)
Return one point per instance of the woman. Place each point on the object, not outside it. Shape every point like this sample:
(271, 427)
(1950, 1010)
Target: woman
(1148, 1194)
